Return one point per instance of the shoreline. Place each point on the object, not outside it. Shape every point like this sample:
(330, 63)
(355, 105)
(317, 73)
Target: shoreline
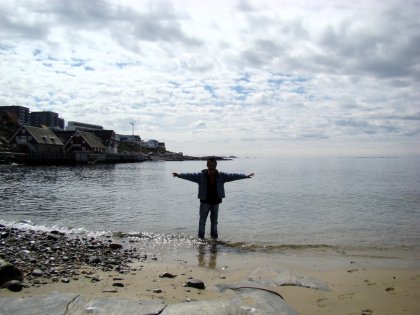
(357, 283)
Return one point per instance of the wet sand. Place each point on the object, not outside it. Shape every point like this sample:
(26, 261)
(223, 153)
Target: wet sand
(360, 283)
(355, 289)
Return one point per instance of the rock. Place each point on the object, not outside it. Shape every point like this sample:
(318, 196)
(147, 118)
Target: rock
(118, 284)
(195, 283)
(94, 260)
(115, 246)
(367, 312)
(13, 285)
(37, 273)
(157, 291)
(9, 272)
(53, 237)
(65, 280)
(167, 275)
(110, 291)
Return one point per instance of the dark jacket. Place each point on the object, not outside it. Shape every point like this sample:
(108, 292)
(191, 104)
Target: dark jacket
(201, 180)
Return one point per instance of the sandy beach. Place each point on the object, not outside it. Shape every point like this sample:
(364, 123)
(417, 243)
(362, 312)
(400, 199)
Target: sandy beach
(367, 285)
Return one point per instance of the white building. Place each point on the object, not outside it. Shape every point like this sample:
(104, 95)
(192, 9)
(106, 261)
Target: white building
(74, 125)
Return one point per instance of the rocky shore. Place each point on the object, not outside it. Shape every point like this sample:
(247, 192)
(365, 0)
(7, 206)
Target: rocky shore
(54, 273)
(45, 257)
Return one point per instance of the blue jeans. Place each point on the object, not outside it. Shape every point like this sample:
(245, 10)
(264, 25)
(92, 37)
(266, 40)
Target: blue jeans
(205, 208)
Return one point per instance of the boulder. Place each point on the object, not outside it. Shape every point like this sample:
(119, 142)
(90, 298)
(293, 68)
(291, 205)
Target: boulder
(13, 285)
(9, 272)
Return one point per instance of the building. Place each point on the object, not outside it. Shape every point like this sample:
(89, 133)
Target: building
(154, 144)
(31, 139)
(74, 125)
(20, 113)
(84, 141)
(130, 138)
(109, 138)
(46, 118)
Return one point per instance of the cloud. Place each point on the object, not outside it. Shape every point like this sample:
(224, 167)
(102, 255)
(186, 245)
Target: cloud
(212, 76)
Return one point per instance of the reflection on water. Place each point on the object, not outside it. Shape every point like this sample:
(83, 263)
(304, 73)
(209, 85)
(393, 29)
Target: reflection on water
(207, 255)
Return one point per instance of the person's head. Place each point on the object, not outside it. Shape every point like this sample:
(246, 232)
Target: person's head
(211, 163)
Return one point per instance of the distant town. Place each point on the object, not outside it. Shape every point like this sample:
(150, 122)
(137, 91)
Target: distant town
(41, 137)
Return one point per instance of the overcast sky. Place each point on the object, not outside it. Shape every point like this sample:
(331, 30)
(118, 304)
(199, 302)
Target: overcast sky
(337, 78)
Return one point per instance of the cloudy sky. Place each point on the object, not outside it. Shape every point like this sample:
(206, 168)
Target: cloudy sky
(248, 77)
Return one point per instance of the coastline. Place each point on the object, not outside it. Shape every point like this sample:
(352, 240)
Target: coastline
(81, 158)
(358, 284)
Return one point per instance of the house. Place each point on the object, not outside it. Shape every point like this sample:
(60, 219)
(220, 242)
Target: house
(82, 141)
(31, 139)
(64, 135)
(154, 144)
(151, 144)
(130, 138)
(109, 139)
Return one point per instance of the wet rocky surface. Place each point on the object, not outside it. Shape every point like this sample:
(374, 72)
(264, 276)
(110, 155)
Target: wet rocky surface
(43, 257)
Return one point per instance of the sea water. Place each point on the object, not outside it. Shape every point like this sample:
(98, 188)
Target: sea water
(290, 203)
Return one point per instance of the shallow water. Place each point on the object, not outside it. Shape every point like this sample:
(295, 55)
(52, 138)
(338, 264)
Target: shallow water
(306, 203)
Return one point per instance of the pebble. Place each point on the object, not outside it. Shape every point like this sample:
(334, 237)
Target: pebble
(118, 284)
(115, 246)
(110, 291)
(157, 291)
(167, 275)
(37, 273)
(195, 283)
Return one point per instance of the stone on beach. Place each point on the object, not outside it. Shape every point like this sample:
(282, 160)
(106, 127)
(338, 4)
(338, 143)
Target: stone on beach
(118, 284)
(13, 285)
(71, 304)
(115, 246)
(37, 273)
(246, 301)
(9, 272)
(195, 283)
(167, 275)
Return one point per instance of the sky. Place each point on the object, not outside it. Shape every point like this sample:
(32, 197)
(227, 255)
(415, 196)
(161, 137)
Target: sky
(245, 78)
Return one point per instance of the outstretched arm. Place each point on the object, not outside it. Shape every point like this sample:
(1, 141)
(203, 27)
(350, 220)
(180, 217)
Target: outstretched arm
(231, 177)
(193, 177)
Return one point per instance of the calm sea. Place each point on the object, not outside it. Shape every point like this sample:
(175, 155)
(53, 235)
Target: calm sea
(344, 203)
